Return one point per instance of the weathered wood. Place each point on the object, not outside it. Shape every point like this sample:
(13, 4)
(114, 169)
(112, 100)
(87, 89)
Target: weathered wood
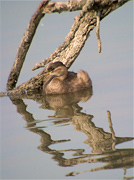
(24, 45)
(59, 7)
(84, 23)
(74, 5)
(98, 31)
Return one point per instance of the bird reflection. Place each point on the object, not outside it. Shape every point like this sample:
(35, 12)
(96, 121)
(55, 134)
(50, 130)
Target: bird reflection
(64, 104)
(67, 110)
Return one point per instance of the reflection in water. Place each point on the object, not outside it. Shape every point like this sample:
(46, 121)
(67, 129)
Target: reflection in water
(67, 110)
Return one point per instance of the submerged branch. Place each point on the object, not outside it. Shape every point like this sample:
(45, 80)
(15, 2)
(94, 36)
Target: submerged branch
(111, 125)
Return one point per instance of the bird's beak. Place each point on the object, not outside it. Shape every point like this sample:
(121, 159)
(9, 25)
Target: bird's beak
(47, 73)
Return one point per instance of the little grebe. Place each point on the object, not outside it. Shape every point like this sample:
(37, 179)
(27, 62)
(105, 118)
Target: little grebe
(63, 81)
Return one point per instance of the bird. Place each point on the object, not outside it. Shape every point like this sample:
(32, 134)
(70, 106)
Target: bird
(62, 81)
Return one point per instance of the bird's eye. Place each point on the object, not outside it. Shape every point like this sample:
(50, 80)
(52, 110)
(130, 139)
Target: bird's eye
(50, 69)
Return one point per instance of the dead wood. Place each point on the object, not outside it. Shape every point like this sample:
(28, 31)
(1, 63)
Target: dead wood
(98, 31)
(24, 45)
(84, 23)
(59, 7)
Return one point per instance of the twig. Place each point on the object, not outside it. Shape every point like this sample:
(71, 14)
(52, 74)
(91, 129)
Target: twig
(98, 31)
(40, 64)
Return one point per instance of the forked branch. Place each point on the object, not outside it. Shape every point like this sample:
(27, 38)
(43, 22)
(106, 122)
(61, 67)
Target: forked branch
(84, 23)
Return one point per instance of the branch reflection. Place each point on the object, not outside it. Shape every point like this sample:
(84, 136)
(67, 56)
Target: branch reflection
(67, 110)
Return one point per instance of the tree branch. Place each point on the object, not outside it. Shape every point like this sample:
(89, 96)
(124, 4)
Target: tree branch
(59, 7)
(98, 31)
(25, 44)
(80, 30)
(74, 41)
(71, 47)
(74, 5)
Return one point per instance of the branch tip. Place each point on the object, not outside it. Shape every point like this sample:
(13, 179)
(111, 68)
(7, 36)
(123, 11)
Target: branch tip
(98, 30)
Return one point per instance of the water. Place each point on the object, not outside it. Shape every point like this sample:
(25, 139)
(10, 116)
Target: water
(69, 137)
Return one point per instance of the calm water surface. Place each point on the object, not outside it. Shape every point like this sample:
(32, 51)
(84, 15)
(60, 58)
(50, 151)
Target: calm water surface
(69, 136)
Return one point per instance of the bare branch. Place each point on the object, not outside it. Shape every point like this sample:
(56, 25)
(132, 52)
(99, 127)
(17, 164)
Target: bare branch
(84, 23)
(73, 5)
(71, 47)
(25, 44)
(75, 40)
(98, 31)
(76, 5)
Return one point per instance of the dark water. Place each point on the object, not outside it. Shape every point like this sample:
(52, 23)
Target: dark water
(69, 136)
